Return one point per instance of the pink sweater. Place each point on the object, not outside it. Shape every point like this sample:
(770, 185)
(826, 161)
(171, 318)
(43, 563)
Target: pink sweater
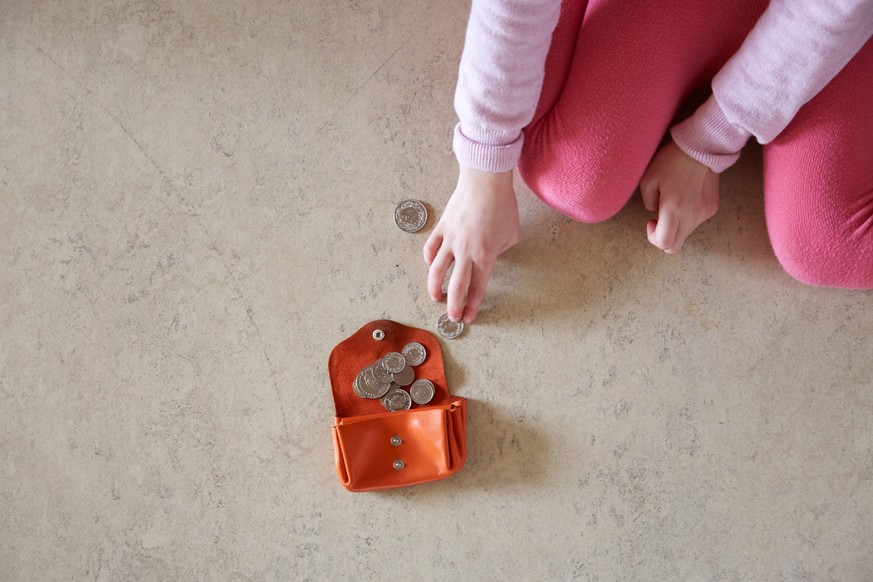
(794, 50)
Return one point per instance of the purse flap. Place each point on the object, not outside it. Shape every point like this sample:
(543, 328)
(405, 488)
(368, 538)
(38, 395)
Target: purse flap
(361, 349)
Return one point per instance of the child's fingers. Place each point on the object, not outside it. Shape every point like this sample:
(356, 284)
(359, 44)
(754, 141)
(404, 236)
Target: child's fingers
(682, 232)
(437, 272)
(457, 289)
(664, 235)
(476, 292)
(650, 193)
(434, 241)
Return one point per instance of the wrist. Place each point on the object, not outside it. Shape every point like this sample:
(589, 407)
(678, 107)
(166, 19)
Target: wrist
(481, 177)
(493, 151)
(709, 137)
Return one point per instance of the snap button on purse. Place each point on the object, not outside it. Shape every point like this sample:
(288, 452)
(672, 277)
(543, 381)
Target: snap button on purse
(396, 437)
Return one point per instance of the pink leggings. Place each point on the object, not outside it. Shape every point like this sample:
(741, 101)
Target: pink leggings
(617, 74)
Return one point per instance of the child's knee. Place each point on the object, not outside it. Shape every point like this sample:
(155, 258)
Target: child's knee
(574, 186)
(816, 252)
(806, 267)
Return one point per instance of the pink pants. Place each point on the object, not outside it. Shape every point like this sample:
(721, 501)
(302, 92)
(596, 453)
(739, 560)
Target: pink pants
(617, 74)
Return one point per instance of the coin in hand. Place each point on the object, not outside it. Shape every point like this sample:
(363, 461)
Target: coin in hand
(448, 328)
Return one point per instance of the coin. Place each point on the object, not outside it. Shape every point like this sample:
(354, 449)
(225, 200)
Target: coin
(422, 391)
(448, 328)
(414, 353)
(380, 373)
(405, 376)
(410, 215)
(369, 386)
(394, 362)
(397, 399)
(356, 385)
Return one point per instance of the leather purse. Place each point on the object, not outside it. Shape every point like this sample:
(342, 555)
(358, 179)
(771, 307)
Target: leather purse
(376, 449)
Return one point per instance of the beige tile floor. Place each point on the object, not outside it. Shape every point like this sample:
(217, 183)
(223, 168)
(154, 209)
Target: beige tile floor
(196, 206)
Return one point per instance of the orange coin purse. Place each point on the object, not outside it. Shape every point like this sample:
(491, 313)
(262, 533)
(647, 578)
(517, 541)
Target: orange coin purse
(376, 449)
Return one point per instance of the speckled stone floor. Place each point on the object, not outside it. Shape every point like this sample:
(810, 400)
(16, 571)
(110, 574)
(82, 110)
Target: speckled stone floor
(197, 206)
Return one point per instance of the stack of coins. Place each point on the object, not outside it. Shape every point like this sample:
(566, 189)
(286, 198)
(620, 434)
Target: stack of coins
(386, 379)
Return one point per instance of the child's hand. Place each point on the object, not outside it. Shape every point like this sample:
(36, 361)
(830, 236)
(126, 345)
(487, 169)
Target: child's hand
(682, 191)
(479, 223)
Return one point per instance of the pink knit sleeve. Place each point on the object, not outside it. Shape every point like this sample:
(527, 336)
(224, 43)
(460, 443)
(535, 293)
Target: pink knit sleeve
(793, 51)
(500, 79)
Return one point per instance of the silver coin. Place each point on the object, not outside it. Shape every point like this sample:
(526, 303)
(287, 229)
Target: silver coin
(414, 353)
(369, 386)
(448, 328)
(397, 399)
(410, 215)
(380, 373)
(405, 377)
(356, 385)
(394, 362)
(422, 391)
(392, 387)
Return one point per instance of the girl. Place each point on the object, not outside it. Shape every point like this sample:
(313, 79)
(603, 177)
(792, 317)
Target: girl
(579, 95)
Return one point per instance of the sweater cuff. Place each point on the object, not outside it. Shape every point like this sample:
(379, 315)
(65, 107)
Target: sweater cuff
(474, 152)
(708, 137)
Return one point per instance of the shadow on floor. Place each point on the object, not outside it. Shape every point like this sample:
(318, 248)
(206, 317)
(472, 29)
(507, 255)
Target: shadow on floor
(504, 452)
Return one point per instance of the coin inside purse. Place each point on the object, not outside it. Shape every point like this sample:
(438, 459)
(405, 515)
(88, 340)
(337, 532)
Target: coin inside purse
(362, 349)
